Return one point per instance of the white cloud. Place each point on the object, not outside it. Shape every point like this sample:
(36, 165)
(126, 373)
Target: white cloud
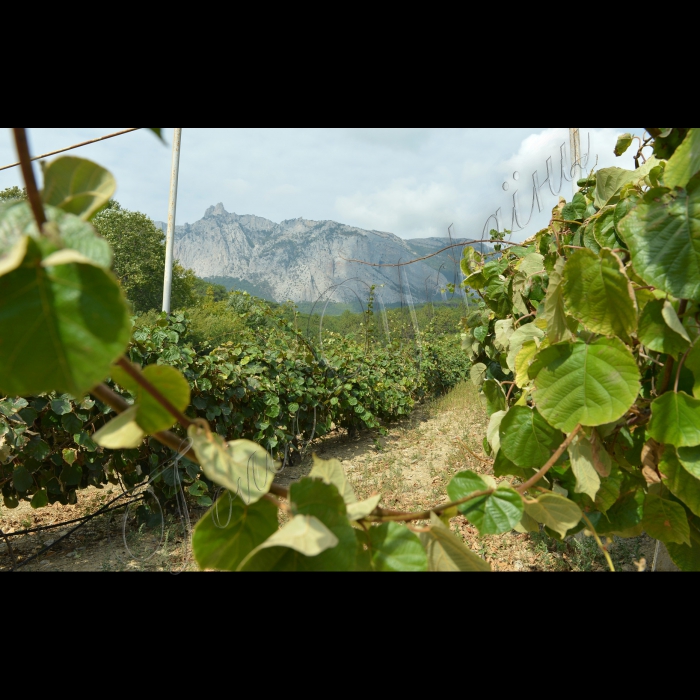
(406, 207)
(412, 182)
(517, 173)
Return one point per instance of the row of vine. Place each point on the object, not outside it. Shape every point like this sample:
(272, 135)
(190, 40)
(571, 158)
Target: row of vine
(586, 348)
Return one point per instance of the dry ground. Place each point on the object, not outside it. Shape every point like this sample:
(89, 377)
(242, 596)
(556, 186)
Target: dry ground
(411, 466)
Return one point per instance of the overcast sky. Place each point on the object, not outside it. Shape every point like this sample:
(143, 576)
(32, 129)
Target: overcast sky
(411, 182)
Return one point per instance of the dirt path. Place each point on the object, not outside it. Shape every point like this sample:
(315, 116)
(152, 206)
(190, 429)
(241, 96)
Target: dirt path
(413, 464)
(410, 466)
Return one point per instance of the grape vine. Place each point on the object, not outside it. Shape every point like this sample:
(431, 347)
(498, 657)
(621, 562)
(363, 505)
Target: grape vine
(585, 346)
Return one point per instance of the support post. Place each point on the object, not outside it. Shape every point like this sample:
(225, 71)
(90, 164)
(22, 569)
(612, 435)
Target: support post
(576, 173)
(170, 235)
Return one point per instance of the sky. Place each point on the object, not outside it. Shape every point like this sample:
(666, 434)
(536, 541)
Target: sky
(410, 182)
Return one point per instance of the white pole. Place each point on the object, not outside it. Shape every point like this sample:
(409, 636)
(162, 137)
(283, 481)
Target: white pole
(575, 141)
(170, 235)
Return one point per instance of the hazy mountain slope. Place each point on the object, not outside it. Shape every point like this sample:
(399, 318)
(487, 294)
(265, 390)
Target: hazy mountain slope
(303, 260)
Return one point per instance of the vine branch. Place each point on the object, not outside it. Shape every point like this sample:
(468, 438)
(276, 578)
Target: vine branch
(382, 515)
(25, 161)
(599, 543)
(668, 367)
(681, 363)
(135, 373)
(437, 252)
(465, 447)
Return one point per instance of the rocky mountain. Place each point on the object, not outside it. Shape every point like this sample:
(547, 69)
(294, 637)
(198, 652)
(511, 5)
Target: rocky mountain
(306, 260)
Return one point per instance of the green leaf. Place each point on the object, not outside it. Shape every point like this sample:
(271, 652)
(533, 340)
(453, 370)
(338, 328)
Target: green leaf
(477, 373)
(37, 449)
(493, 430)
(71, 423)
(665, 520)
(523, 361)
(480, 333)
(495, 398)
(303, 533)
(324, 502)
(80, 325)
(625, 516)
(72, 474)
(502, 466)
(150, 414)
(679, 481)
(598, 293)
(393, 547)
(122, 432)
(527, 523)
(685, 162)
(492, 514)
(690, 459)
(601, 459)
(84, 440)
(609, 491)
(554, 312)
(22, 479)
(230, 530)
(556, 512)
(446, 552)
(157, 132)
(40, 499)
(503, 329)
(77, 186)
(331, 471)
(672, 321)
(684, 557)
(655, 333)
(588, 239)
(675, 420)
(11, 257)
(588, 383)
(361, 509)
(623, 207)
(61, 406)
(582, 466)
(603, 228)
(465, 483)
(663, 238)
(520, 336)
(17, 220)
(526, 438)
(576, 209)
(9, 407)
(69, 455)
(623, 143)
(531, 264)
(496, 297)
(28, 415)
(240, 466)
(609, 181)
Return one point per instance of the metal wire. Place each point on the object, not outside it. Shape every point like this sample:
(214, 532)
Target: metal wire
(77, 145)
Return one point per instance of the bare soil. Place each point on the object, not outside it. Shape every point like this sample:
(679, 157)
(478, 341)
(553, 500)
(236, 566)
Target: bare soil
(410, 466)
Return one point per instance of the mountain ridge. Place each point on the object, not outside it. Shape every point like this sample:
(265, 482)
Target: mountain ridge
(303, 260)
